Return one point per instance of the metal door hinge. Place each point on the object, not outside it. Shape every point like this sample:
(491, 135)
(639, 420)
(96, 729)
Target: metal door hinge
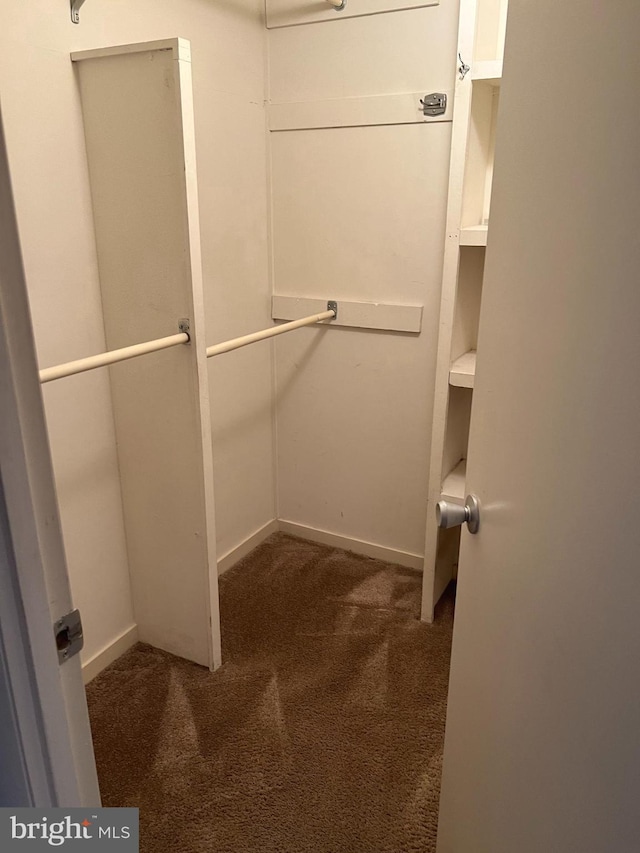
(69, 636)
(434, 104)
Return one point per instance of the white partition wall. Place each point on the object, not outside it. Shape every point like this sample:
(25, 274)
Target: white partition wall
(138, 118)
(359, 189)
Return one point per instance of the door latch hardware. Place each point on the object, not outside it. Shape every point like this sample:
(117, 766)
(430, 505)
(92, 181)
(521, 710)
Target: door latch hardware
(69, 636)
(450, 514)
(434, 104)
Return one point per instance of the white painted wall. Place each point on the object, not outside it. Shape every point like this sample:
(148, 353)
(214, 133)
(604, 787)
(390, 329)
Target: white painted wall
(44, 131)
(359, 214)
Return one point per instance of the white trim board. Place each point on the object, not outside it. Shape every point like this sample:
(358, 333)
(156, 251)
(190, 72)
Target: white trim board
(360, 315)
(111, 652)
(100, 661)
(357, 546)
(354, 112)
(228, 560)
(323, 537)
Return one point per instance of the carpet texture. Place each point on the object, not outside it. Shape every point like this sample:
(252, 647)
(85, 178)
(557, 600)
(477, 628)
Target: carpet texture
(323, 730)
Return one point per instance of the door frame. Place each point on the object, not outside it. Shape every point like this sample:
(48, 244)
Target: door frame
(43, 705)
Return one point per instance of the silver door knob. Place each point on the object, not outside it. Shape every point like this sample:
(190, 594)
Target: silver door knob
(453, 515)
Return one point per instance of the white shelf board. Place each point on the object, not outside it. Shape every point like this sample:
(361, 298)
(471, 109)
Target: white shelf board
(290, 13)
(489, 71)
(474, 235)
(463, 370)
(454, 483)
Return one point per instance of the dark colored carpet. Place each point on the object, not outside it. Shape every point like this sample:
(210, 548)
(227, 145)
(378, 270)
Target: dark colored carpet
(323, 730)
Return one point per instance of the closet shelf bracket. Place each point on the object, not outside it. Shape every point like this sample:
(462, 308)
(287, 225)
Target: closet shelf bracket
(75, 10)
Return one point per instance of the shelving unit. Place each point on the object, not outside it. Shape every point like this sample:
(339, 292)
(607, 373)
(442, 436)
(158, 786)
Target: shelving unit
(481, 38)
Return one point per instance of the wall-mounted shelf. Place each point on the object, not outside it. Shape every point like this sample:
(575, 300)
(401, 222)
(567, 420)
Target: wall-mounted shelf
(488, 71)
(291, 13)
(463, 370)
(474, 235)
(454, 483)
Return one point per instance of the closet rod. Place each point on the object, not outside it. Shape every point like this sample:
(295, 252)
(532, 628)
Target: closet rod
(226, 346)
(338, 5)
(104, 358)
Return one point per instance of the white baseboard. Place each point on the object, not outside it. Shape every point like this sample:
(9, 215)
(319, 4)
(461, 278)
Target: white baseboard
(368, 549)
(102, 659)
(236, 554)
(129, 638)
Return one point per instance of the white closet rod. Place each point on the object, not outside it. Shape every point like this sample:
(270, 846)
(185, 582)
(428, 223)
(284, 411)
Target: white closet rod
(337, 4)
(104, 358)
(236, 343)
(48, 374)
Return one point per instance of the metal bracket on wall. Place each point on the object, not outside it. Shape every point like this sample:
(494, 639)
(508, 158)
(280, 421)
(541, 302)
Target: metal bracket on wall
(332, 305)
(434, 104)
(463, 68)
(75, 10)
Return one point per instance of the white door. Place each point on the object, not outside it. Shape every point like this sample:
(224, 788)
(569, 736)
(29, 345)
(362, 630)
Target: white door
(542, 751)
(44, 726)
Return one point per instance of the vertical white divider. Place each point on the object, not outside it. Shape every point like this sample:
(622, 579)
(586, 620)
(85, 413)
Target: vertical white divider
(436, 573)
(137, 106)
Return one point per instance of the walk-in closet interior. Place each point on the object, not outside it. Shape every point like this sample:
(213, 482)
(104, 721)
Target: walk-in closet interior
(250, 523)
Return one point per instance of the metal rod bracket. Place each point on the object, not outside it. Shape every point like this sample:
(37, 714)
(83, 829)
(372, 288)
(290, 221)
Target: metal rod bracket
(75, 10)
(184, 325)
(332, 305)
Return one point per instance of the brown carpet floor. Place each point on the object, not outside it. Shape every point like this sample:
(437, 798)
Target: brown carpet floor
(323, 730)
